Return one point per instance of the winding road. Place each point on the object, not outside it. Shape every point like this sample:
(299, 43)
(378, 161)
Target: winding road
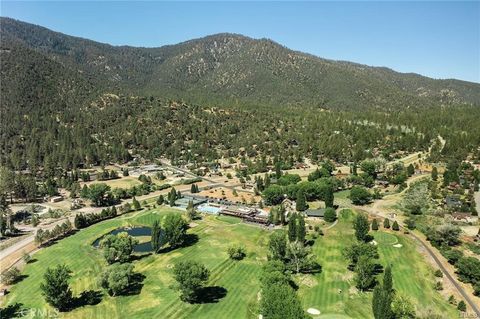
(375, 211)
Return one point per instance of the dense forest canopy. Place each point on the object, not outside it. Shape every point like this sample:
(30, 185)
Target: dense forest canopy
(69, 102)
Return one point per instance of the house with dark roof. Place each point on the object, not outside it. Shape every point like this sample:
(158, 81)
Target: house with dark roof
(317, 213)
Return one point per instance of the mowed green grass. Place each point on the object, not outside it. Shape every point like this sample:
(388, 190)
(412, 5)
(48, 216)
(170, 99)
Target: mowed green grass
(333, 293)
(157, 298)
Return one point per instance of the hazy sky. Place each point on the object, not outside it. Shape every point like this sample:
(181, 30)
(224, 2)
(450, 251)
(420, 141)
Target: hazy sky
(437, 39)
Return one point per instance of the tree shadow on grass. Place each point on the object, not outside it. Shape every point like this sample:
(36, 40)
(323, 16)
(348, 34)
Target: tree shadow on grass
(33, 260)
(12, 311)
(20, 278)
(136, 285)
(87, 298)
(313, 268)
(378, 269)
(211, 294)
(139, 257)
(188, 240)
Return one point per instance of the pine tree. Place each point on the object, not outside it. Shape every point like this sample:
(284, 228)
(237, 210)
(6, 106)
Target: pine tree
(434, 173)
(278, 169)
(156, 236)
(395, 226)
(301, 203)
(383, 297)
(361, 226)
(160, 200)
(113, 211)
(136, 204)
(329, 197)
(374, 224)
(292, 227)
(386, 223)
(300, 231)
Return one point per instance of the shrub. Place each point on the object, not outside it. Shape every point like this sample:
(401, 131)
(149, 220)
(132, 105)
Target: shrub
(236, 252)
(462, 306)
(395, 226)
(452, 255)
(330, 215)
(10, 276)
(438, 273)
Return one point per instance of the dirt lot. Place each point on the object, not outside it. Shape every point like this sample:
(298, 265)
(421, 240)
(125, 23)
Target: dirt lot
(226, 193)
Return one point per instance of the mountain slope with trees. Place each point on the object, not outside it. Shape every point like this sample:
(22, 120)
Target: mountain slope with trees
(230, 68)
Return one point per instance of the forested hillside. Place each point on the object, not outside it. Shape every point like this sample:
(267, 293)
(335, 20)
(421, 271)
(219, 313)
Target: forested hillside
(69, 102)
(227, 68)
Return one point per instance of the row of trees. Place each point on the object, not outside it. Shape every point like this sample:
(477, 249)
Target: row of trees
(321, 189)
(60, 230)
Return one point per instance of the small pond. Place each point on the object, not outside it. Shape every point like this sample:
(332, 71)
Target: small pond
(132, 231)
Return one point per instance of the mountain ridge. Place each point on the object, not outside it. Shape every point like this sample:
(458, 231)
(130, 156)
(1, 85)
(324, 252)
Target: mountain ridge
(230, 68)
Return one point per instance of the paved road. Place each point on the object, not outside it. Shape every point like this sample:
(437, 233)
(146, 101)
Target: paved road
(19, 246)
(451, 277)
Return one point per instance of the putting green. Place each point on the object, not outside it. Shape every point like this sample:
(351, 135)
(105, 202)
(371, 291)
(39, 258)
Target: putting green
(385, 238)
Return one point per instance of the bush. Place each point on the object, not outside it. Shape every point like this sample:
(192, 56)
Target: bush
(395, 226)
(236, 252)
(11, 276)
(468, 269)
(452, 255)
(330, 215)
(438, 273)
(386, 223)
(438, 285)
(410, 223)
(359, 195)
(462, 306)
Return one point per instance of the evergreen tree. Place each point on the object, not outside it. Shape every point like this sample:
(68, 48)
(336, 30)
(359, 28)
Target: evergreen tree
(386, 223)
(434, 173)
(329, 197)
(395, 226)
(157, 236)
(383, 297)
(301, 203)
(300, 231)
(278, 169)
(113, 211)
(292, 227)
(160, 200)
(374, 224)
(361, 226)
(136, 204)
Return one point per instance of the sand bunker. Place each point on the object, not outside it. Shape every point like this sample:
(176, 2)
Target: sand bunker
(397, 245)
(313, 311)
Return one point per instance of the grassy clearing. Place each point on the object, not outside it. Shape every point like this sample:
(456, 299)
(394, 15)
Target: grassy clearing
(333, 293)
(122, 182)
